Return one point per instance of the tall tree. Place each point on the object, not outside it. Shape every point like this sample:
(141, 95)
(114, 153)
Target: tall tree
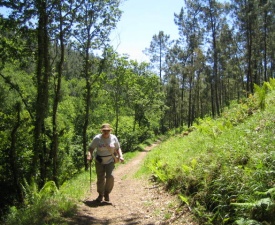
(64, 14)
(176, 82)
(231, 75)
(42, 76)
(16, 109)
(118, 77)
(157, 51)
(94, 22)
(267, 29)
(144, 97)
(250, 17)
(211, 14)
(191, 35)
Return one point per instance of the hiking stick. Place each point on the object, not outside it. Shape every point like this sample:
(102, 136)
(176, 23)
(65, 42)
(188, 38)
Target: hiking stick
(90, 175)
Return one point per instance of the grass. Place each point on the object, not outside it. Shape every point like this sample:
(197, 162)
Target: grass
(223, 164)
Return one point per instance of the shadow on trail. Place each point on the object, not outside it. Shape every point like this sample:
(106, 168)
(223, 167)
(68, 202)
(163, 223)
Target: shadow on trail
(94, 203)
(86, 220)
(82, 219)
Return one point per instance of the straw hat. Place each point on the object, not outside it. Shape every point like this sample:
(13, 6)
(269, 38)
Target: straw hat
(106, 126)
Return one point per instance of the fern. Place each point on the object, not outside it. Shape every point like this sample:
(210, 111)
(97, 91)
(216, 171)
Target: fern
(30, 192)
(157, 170)
(261, 92)
(272, 83)
(270, 192)
(48, 189)
(250, 205)
(243, 221)
(33, 195)
(262, 209)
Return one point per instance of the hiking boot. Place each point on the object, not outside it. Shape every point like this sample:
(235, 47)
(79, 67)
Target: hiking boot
(99, 198)
(106, 197)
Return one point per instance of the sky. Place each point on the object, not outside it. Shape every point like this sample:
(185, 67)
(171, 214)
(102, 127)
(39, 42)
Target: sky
(141, 19)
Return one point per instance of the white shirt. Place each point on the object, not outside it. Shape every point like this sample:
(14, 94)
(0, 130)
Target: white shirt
(105, 147)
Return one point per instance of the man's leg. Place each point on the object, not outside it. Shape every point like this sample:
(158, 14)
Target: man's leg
(109, 180)
(100, 173)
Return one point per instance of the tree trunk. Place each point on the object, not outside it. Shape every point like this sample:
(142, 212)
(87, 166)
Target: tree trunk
(87, 102)
(190, 101)
(42, 73)
(57, 99)
(14, 157)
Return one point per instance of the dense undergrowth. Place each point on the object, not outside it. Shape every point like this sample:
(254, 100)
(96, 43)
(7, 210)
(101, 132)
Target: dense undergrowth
(49, 205)
(225, 168)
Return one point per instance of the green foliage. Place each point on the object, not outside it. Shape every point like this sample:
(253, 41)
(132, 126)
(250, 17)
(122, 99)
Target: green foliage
(224, 168)
(48, 189)
(247, 222)
(262, 91)
(31, 192)
(131, 138)
(262, 94)
(50, 205)
(184, 199)
(261, 210)
(272, 83)
(34, 195)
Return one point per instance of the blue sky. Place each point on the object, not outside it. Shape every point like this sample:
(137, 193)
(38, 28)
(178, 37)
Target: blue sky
(141, 19)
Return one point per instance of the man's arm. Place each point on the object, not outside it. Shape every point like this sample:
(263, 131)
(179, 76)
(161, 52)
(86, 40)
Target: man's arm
(90, 153)
(120, 155)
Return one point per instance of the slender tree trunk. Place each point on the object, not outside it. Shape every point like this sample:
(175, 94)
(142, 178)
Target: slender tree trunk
(87, 107)
(42, 73)
(182, 117)
(265, 47)
(215, 71)
(190, 101)
(160, 65)
(249, 46)
(212, 98)
(116, 112)
(13, 157)
(181, 103)
(57, 99)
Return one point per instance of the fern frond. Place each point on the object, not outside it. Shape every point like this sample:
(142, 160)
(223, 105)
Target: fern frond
(48, 189)
(30, 192)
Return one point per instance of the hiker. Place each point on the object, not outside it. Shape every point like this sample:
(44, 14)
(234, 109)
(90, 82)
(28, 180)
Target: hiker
(106, 145)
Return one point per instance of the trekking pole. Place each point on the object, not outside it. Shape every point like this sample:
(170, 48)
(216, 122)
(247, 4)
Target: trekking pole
(90, 175)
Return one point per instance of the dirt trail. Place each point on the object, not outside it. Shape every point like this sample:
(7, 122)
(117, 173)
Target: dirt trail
(132, 201)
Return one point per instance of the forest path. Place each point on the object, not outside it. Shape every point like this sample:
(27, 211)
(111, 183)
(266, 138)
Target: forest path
(132, 201)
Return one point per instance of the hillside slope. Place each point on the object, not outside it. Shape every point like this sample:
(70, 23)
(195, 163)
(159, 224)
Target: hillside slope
(225, 168)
